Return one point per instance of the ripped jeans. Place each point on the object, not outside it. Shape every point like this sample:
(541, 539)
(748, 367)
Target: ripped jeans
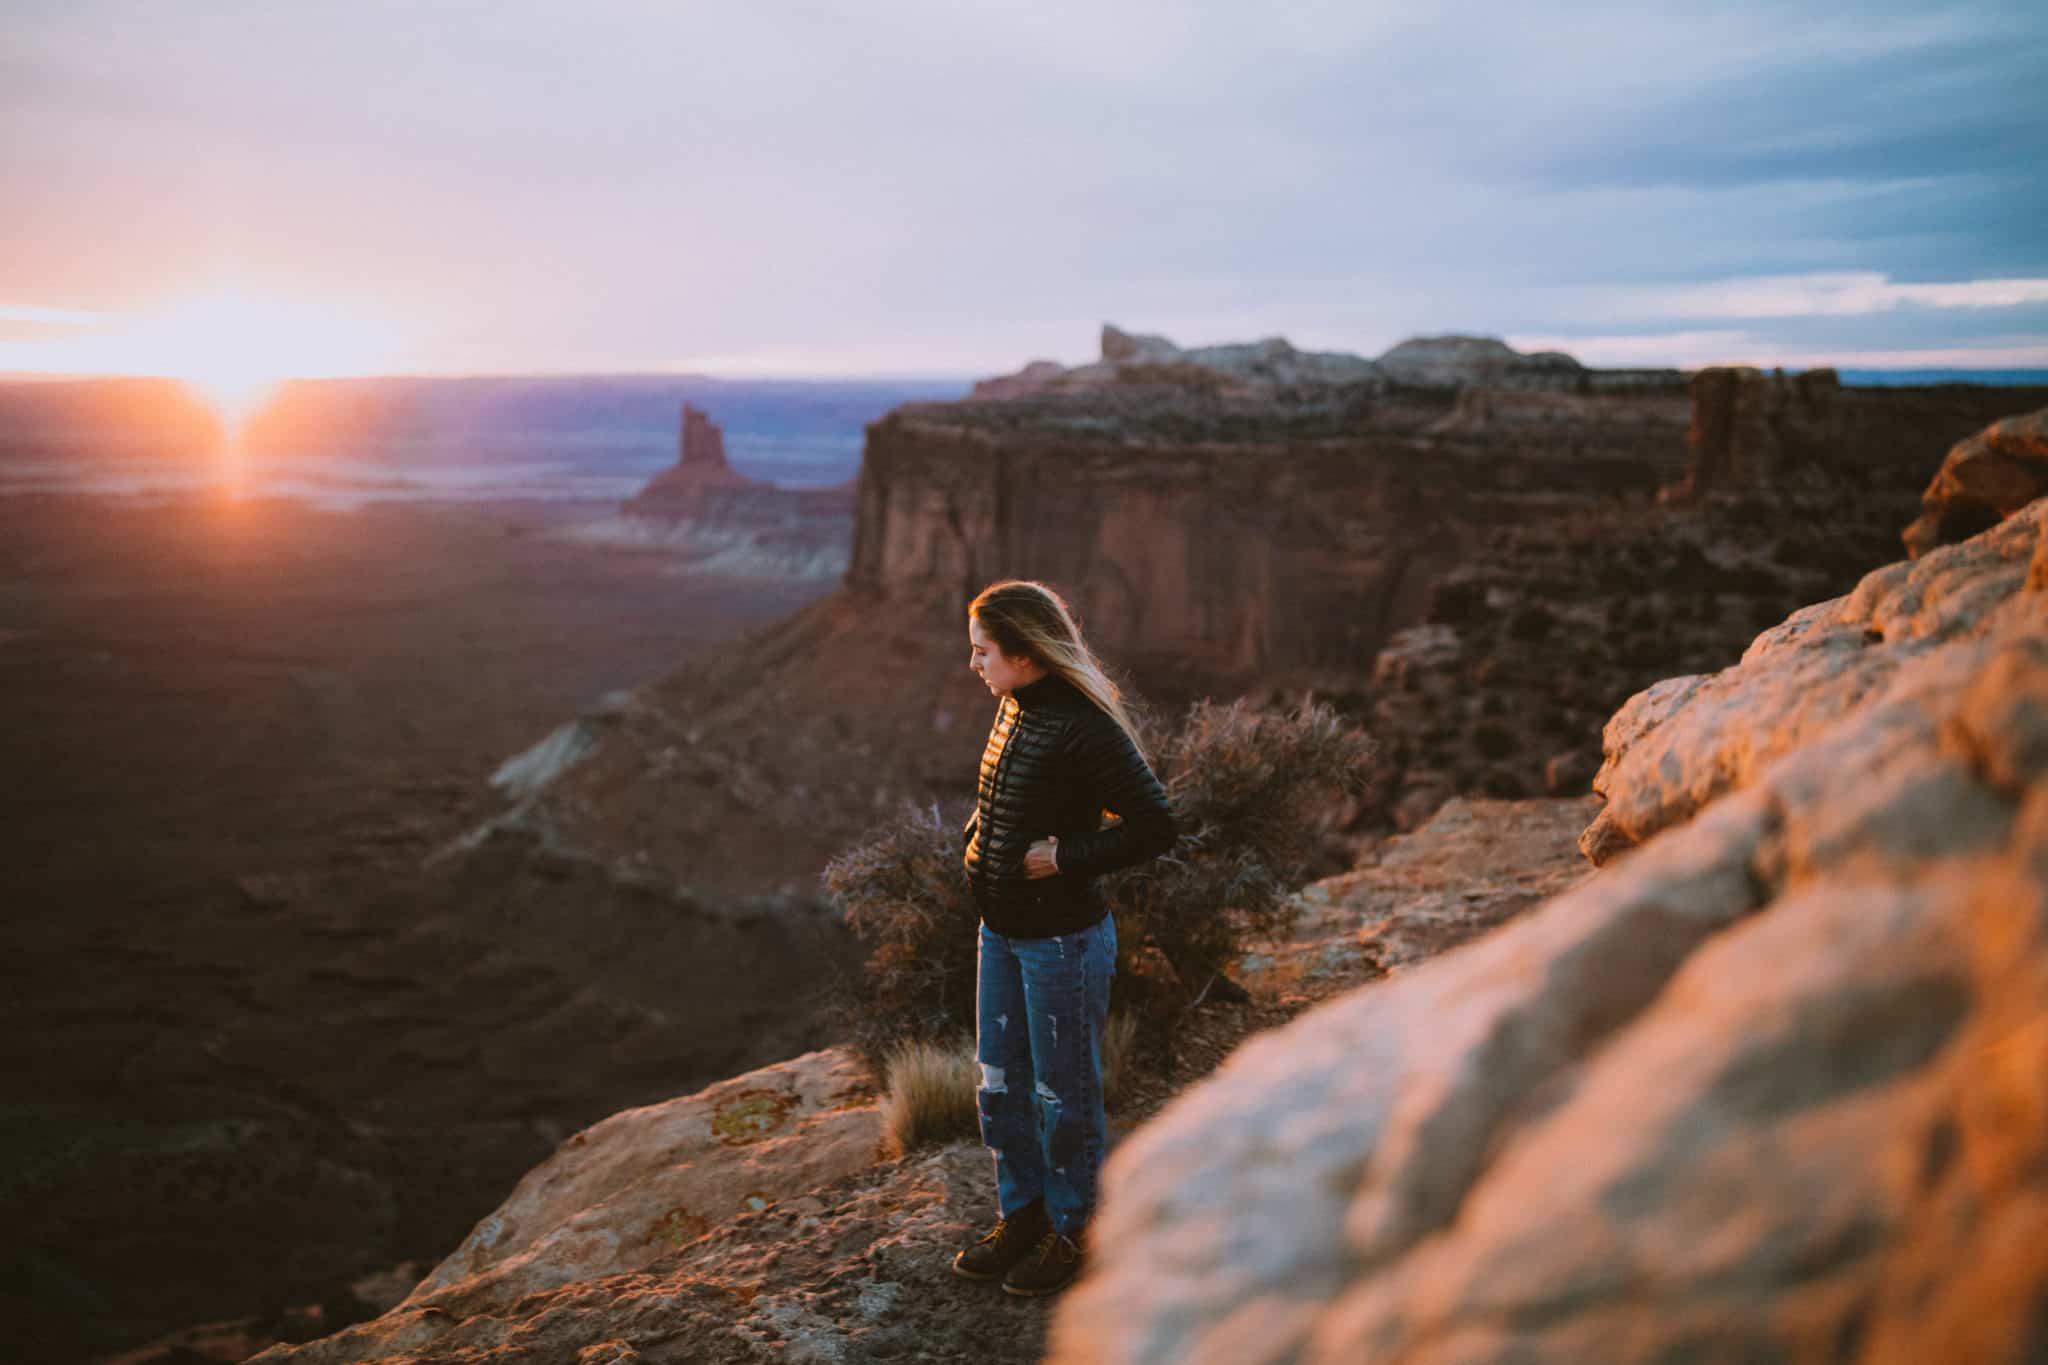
(1040, 1008)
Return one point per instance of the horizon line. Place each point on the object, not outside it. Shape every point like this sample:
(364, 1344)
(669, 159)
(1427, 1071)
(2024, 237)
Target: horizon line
(863, 377)
(899, 376)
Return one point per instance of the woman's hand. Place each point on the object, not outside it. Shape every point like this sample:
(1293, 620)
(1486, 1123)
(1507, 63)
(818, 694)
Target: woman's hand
(1042, 858)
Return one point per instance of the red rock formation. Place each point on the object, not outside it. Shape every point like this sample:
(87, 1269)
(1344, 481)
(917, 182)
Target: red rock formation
(686, 488)
(1220, 542)
(743, 525)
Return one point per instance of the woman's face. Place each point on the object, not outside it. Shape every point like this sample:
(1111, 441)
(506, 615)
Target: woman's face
(1002, 672)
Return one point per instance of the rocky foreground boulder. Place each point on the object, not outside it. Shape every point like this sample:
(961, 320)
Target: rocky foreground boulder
(1772, 1086)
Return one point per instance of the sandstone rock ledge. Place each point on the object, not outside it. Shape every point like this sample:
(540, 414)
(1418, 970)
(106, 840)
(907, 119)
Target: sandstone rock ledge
(752, 1221)
(617, 1199)
(1771, 1087)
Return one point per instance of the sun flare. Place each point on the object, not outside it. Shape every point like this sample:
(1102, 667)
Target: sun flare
(233, 348)
(230, 345)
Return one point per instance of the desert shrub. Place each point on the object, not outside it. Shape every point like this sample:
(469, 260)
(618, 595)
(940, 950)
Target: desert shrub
(1249, 785)
(902, 894)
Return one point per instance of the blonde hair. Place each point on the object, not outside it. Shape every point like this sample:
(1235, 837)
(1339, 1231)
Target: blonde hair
(1028, 619)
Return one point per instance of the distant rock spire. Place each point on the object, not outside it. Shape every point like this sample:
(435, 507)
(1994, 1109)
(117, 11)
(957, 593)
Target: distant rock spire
(701, 447)
(700, 469)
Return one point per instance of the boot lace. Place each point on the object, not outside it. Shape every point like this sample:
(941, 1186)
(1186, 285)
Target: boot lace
(1050, 1241)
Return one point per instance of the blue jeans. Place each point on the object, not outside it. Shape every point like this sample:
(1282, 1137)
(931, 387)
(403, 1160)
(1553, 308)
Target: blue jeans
(1040, 1008)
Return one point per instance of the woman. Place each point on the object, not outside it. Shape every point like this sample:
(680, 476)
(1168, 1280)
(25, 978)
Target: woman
(1062, 751)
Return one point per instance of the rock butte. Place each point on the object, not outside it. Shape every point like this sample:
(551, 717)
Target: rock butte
(734, 524)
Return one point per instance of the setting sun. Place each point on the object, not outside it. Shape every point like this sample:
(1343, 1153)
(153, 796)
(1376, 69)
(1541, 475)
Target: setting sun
(232, 348)
(230, 344)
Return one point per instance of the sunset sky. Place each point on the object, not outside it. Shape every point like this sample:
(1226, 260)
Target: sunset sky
(937, 187)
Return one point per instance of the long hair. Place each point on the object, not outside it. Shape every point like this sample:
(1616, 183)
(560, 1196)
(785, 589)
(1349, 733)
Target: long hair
(1029, 619)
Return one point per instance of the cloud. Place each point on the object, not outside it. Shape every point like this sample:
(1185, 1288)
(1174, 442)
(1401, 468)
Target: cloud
(534, 187)
(52, 317)
(1815, 294)
(1692, 350)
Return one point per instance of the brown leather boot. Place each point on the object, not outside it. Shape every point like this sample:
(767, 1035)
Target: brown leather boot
(1051, 1264)
(1002, 1246)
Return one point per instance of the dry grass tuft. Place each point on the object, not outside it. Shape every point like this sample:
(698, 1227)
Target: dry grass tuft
(1118, 1041)
(929, 1096)
(929, 1091)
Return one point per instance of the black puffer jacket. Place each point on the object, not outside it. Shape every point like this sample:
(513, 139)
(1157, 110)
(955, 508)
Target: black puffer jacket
(1054, 762)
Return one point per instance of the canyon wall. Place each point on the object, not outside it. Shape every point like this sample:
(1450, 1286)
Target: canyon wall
(1482, 573)
(1229, 540)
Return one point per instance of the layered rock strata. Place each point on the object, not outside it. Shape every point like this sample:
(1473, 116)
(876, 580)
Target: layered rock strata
(1233, 540)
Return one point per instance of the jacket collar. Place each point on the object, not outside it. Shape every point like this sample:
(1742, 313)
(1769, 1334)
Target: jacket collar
(1047, 690)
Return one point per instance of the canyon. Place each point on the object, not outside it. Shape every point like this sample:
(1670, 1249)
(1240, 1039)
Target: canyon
(1482, 570)
(1765, 1079)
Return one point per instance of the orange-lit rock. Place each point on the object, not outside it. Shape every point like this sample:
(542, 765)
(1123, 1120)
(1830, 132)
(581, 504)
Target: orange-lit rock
(1991, 475)
(634, 1189)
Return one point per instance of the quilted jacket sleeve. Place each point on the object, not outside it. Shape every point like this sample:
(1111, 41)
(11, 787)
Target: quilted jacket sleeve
(1103, 761)
(967, 834)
